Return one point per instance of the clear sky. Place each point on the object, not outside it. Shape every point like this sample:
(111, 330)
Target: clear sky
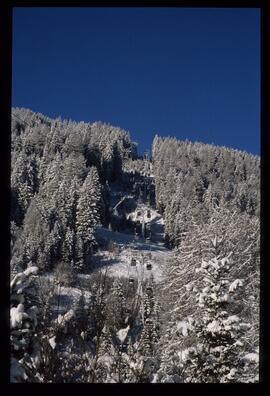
(186, 72)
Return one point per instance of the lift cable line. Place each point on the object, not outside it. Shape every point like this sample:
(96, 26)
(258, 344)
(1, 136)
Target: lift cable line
(143, 258)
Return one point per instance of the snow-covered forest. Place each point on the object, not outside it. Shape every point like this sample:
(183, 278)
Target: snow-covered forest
(127, 268)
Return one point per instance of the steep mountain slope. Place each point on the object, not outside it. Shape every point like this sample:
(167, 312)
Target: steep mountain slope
(212, 217)
(128, 269)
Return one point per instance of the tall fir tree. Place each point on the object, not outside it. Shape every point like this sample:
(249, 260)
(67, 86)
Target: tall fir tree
(88, 216)
(216, 356)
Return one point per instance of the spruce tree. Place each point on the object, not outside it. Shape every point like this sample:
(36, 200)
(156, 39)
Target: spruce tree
(88, 217)
(216, 356)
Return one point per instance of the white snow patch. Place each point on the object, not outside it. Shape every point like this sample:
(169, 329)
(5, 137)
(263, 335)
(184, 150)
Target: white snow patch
(17, 315)
(213, 326)
(52, 342)
(252, 357)
(232, 373)
(31, 270)
(154, 253)
(184, 327)
(122, 334)
(235, 284)
(231, 320)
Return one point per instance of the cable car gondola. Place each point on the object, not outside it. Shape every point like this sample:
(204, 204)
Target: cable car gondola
(148, 266)
(133, 262)
(123, 347)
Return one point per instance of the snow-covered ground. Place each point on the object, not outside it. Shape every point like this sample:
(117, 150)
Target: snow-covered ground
(118, 263)
(64, 297)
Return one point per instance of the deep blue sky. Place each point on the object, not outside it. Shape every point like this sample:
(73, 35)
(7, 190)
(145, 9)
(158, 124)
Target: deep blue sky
(189, 73)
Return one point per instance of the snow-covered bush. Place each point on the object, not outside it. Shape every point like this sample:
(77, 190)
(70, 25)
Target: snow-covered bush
(23, 323)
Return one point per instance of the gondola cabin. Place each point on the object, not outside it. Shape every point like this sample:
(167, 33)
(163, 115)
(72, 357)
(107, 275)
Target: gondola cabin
(124, 346)
(133, 262)
(148, 266)
(131, 281)
(148, 229)
(138, 227)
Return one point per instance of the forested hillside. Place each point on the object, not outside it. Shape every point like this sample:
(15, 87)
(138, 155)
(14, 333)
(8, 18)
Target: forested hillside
(210, 197)
(59, 169)
(130, 269)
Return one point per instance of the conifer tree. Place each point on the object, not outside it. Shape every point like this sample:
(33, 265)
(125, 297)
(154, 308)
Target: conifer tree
(149, 337)
(81, 314)
(87, 216)
(216, 357)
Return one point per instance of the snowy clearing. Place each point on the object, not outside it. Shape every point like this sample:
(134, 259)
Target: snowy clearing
(151, 256)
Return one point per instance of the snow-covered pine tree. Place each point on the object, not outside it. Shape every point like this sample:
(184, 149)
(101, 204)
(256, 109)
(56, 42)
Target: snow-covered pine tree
(117, 306)
(147, 346)
(79, 262)
(170, 369)
(216, 355)
(69, 246)
(80, 319)
(107, 160)
(87, 216)
(73, 196)
(24, 182)
(61, 202)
